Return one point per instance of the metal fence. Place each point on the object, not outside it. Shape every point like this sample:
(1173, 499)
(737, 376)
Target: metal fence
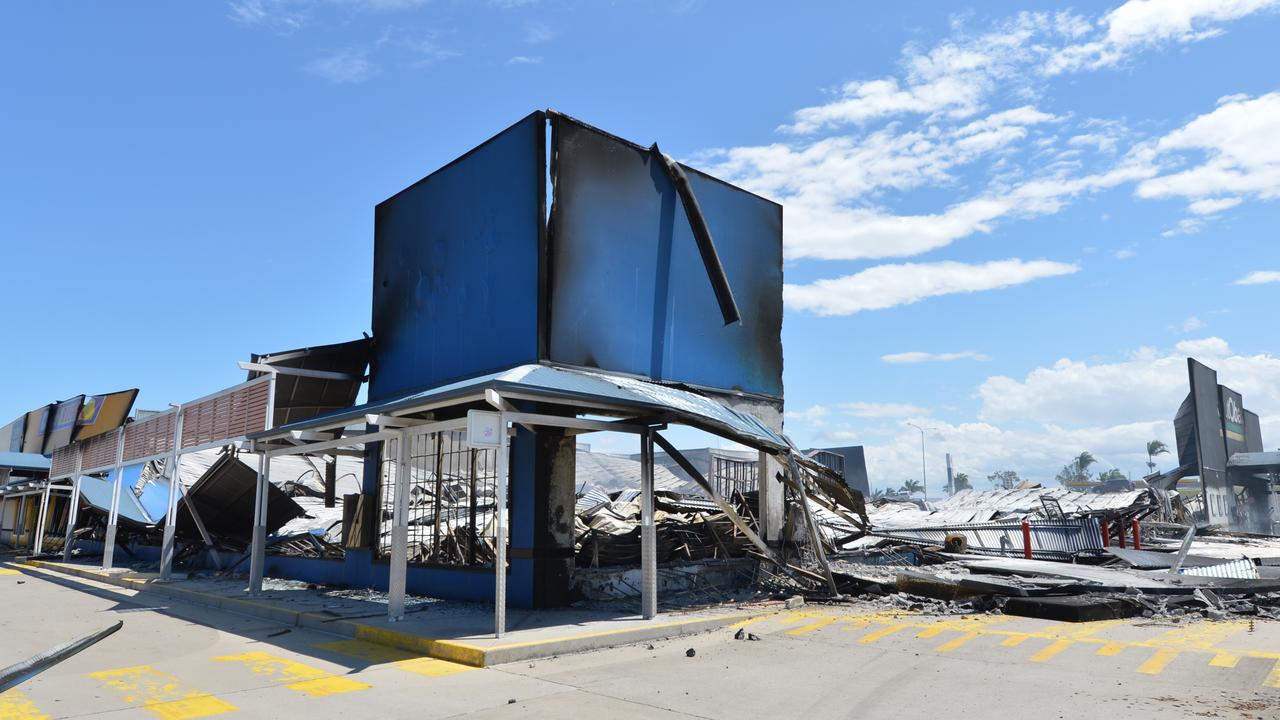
(452, 498)
(730, 476)
(1050, 539)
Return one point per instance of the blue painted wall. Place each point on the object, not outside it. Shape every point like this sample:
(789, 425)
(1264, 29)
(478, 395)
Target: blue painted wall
(629, 290)
(455, 266)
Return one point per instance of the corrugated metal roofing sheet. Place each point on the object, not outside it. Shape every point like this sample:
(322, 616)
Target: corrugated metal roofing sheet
(571, 385)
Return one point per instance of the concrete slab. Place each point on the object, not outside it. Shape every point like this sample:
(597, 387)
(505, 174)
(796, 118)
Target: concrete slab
(452, 631)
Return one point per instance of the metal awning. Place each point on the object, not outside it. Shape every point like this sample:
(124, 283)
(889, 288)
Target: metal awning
(24, 461)
(592, 391)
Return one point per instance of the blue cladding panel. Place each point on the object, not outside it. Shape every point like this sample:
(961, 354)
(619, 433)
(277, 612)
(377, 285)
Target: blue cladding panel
(455, 266)
(629, 290)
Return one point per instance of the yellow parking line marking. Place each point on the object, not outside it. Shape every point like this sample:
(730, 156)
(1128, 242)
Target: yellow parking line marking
(1014, 640)
(296, 676)
(1225, 660)
(432, 667)
(1052, 650)
(160, 694)
(882, 633)
(957, 642)
(1157, 663)
(407, 661)
(815, 625)
(1111, 649)
(14, 705)
(1273, 678)
(9, 571)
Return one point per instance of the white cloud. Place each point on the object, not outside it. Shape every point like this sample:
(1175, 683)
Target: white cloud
(1241, 155)
(1204, 347)
(1035, 424)
(536, 33)
(1191, 324)
(920, 357)
(1124, 253)
(1141, 24)
(1148, 385)
(344, 66)
(1213, 205)
(524, 60)
(881, 410)
(1259, 277)
(886, 286)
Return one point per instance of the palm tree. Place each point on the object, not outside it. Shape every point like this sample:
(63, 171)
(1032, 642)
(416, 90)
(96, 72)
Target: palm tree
(879, 493)
(1083, 461)
(911, 487)
(961, 482)
(1154, 448)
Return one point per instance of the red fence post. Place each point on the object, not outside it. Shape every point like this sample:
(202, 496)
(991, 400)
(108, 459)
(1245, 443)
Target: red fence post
(1106, 533)
(1026, 538)
(1137, 535)
(1120, 535)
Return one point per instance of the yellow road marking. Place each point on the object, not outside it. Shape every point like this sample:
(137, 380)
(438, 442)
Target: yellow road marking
(1225, 660)
(815, 625)
(432, 667)
(9, 571)
(882, 633)
(295, 675)
(16, 706)
(1051, 651)
(957, 642)
(1157, 663)
(1273, 678)
(380, 654)
(1203, 637)
(160, 694)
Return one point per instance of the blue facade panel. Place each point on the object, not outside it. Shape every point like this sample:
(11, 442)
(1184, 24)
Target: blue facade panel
(456, 266)
(629, 291)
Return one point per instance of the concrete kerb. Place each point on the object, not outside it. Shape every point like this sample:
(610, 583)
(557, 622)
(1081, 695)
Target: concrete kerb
(450, 650)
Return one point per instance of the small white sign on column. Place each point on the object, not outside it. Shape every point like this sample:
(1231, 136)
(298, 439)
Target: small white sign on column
(484, 429)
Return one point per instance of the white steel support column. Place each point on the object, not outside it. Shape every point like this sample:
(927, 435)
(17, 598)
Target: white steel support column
(73, 512)
(397, 570)
(258, 550)
(109, 545)
(20, 524)
(38, 546)
(174, 462)
(648, 533)
(500, 539)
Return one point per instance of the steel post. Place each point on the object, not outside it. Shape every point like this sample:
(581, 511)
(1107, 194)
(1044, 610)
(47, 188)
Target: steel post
(38, 545)
(258, 551)
(648, 533)
(171, 513)
(399, 567)
(113, 517)
(500, 539)
(73, 512)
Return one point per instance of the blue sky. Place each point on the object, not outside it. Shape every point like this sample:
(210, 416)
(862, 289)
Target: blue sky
(1035, 211)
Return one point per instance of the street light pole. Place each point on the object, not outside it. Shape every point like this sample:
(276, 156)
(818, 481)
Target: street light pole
(924, 482)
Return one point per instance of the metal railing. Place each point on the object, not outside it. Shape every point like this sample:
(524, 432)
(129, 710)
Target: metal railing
(730, 477)
(452, 498)
(1050, 539)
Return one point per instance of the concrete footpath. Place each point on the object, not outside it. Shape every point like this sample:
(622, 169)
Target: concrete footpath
(453, 631)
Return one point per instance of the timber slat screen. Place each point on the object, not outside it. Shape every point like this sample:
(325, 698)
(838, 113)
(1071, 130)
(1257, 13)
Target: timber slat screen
(228, 415)
(149, 436)
(441, 465)
(99, 452)
(64, 461)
